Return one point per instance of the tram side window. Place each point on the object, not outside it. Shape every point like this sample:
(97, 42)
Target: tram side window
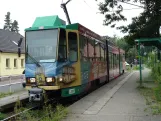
(105, 54)
(91, 49)
(121, 58)
(62, 52)
(109, 60)
(115, 60)
(83, 47)
(73, 46)
(97, 50)
(112, 60)
(118, 60)
(102, 52)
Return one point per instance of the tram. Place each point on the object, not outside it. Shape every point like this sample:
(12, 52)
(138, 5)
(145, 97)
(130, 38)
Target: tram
(67, 60)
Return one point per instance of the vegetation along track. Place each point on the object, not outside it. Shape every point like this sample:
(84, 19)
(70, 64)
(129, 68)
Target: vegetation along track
(19, 111)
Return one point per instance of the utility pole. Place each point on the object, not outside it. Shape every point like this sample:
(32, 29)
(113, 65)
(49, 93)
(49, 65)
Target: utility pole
(63, 5)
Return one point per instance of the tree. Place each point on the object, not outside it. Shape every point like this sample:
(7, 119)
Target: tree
(15, 27)
(7, 20)
(121, 43)
(9, 25)
(146, 25)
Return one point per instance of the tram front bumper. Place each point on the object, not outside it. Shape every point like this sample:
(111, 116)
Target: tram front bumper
(45, 87)
(35, 94)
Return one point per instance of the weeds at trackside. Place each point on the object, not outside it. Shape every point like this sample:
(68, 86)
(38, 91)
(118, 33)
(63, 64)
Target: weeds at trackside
(151, 100)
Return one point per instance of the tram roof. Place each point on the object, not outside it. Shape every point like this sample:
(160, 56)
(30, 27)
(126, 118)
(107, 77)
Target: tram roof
(54, 22)
(47, 22)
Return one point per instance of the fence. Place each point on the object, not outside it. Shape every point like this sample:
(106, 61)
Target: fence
(11, 83)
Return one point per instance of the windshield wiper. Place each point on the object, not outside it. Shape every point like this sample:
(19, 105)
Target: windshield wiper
(33, 59)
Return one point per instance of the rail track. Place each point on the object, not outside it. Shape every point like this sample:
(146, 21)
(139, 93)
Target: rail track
(52, 101)
(13, 117)
(36, 106)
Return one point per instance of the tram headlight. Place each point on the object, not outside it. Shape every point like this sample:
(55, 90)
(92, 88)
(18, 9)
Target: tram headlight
(49, 79)
(32, 80)
(60, 79)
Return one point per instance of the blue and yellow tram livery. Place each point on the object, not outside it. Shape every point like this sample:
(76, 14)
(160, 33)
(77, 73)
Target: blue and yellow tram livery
(67, 60)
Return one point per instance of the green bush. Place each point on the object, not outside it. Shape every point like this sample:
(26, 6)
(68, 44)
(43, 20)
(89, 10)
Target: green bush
(137, 68)
(2, 116)
(155, 73)
(157, 92)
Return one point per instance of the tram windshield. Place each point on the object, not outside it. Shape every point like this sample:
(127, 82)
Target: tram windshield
(41, 45)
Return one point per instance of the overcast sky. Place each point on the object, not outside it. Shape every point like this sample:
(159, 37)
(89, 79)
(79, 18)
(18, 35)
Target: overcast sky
(80, 11)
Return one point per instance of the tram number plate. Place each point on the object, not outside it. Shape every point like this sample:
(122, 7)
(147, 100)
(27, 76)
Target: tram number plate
(71, 91)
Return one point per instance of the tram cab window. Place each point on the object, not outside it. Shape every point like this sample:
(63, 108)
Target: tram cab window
(72, 46)
(62, 53)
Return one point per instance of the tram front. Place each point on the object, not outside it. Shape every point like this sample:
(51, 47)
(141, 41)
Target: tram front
(41, 61)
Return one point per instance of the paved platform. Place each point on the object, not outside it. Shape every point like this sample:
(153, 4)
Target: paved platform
(8, 101)
(117, 101)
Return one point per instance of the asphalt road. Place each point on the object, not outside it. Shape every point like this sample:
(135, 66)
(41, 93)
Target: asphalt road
(16, 85)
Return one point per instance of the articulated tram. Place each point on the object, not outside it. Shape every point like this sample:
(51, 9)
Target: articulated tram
(67, 60)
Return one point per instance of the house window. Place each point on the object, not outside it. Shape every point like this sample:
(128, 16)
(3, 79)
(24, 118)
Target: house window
(15, 63)
(22, 62)
(7, 63)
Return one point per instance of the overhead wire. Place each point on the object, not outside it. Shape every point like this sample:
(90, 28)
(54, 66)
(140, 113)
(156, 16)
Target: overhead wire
(87, 5)
(130, 3)
(140, 7)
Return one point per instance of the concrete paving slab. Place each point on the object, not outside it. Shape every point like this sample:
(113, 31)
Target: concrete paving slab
(141, 118)
(119, 102)
(97, 106)
(98, 118)
(9, 100)
(156, 118)
(127, 99)
(83, 104)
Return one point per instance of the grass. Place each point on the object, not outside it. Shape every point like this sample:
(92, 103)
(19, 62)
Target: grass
(151, 99)
(46, 113)
(128, 68)
(5, 94)
(137, 67)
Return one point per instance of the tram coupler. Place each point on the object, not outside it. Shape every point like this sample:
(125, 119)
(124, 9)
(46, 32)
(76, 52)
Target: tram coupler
(36, 94)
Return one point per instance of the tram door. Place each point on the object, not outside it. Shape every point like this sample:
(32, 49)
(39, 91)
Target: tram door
(72, 46)
(74, 69)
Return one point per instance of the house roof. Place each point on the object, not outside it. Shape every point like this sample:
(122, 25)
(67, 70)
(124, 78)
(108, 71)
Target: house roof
(6, 44)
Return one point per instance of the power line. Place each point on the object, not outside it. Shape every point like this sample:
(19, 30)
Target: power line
(87, 4)
(140, 7)
(126, 9)
(90, 7)
(123, 10)
(131, 4)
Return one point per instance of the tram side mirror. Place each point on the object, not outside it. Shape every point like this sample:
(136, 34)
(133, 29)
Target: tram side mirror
(19, 47)
(19, 52)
